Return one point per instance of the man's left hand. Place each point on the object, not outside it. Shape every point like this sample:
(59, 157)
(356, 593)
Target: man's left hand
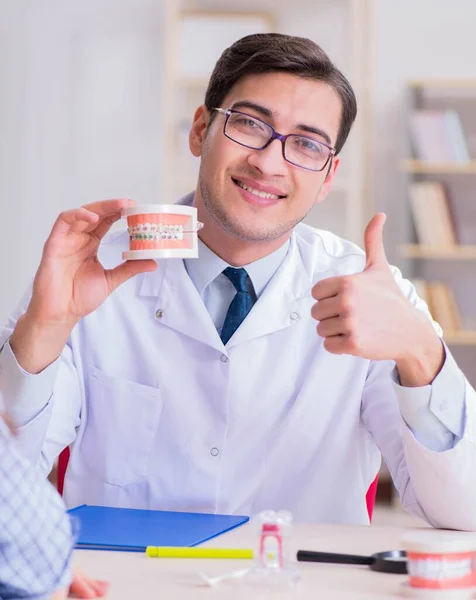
(367, 315)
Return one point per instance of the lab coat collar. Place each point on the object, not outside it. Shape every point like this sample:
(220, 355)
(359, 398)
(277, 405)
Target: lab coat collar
(179, 304)
(284, 302)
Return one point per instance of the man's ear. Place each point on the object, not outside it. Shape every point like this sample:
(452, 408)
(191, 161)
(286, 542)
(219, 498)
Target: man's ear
(327, 185)
(198, 131)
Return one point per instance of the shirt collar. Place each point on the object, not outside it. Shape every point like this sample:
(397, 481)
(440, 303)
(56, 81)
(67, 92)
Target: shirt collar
(261, 271)
(208, 266)
(203, 270)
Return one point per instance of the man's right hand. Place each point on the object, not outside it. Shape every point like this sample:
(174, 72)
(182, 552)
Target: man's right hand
(70, 282)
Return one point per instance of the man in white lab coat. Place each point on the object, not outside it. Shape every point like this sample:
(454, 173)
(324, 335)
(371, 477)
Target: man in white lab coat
(273, 371)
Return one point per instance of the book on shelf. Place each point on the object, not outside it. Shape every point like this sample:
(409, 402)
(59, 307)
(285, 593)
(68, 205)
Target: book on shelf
(441, 302)
(431, 214)
(437, 135)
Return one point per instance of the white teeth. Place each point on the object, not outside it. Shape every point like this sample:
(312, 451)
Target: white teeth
(257, 192)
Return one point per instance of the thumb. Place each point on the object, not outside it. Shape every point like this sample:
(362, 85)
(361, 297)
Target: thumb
(127, 270)
(373, 241)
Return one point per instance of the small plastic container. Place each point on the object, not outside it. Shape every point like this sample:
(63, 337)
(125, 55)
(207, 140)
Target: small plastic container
(161, 231)
(274, 566)
(441, 564)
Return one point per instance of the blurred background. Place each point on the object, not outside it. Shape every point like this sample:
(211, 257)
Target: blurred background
(97, 96)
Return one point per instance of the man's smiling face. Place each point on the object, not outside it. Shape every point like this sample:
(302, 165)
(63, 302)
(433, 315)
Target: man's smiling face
(230, 173)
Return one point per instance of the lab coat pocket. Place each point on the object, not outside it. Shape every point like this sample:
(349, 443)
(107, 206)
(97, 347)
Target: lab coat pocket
(121, 425)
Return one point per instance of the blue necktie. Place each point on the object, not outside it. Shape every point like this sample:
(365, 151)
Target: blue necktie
(240, 305)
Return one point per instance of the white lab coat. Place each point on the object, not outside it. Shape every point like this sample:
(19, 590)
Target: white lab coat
(161, 415)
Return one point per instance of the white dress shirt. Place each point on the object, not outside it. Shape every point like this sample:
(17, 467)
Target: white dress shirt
(160, 414)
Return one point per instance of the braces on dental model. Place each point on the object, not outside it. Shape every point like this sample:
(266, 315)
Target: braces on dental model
(157, 232)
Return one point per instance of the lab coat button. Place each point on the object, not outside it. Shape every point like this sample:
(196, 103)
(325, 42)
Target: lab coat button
(214, 451)
(224, 358)
(294, 316)
(159, 313)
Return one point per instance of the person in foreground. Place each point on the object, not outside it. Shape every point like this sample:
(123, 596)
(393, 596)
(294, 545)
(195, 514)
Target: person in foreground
(271, 372)
(36, 537)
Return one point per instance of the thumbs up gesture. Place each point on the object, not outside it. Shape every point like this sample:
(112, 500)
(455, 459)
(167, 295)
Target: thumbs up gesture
(367, 315)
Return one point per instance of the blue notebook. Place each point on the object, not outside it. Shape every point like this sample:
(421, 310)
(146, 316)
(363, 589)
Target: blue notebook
(132, 530)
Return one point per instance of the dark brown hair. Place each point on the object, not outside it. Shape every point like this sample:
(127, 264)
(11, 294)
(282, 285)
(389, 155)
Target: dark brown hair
(269, 52)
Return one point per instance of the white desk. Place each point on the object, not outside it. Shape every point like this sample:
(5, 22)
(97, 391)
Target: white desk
(133, 576)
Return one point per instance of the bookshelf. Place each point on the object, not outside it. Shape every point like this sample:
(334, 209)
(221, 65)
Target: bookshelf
(340, 27)
(440, 174)
(456, 252)
(441, 84)
(460, 338)
(439, 168)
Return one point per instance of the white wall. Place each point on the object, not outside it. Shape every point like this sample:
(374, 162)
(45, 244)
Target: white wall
(80, 117)
(80, 106)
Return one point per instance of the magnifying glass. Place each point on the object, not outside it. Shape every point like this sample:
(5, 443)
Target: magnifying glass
(394, 561)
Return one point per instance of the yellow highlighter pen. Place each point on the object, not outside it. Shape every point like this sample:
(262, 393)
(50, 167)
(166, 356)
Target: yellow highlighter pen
(179, 552)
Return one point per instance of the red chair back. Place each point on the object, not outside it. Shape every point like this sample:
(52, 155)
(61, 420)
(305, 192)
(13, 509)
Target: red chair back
(370, 497)
(63, 460)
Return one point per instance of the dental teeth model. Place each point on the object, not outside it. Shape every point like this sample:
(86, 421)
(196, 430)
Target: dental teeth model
(161, 231)
(441, 564)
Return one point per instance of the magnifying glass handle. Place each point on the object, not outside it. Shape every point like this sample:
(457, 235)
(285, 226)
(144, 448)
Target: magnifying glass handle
(329, 557)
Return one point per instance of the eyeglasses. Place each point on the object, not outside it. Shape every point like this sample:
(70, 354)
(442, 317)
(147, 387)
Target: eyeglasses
(251, 132)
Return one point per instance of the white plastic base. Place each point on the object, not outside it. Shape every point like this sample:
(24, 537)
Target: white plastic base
(422, 594)
(162, 253)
